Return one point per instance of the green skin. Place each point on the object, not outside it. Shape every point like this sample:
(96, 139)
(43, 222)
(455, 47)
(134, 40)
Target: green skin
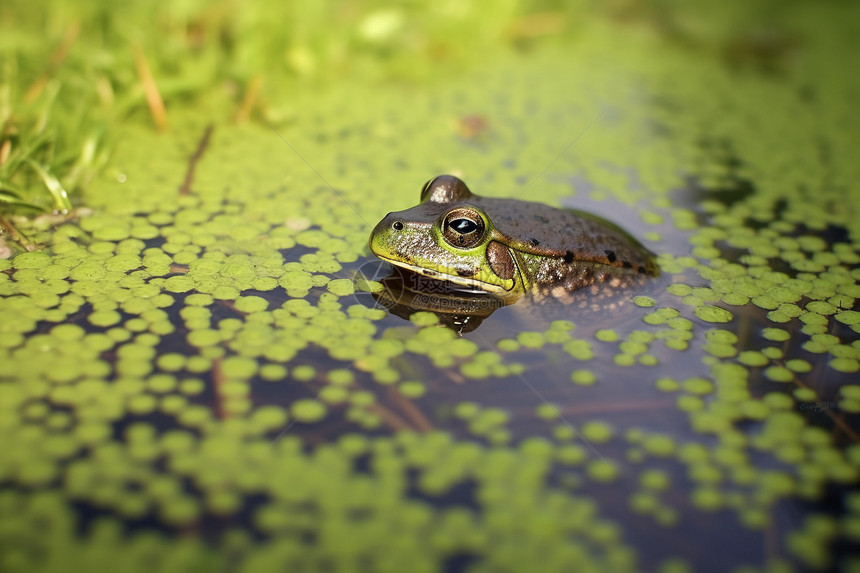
(506, 246)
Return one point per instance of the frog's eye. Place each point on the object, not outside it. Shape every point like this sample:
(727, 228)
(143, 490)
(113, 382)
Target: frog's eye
(463, 228)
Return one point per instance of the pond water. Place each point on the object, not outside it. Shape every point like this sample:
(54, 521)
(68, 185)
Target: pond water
(198, 375)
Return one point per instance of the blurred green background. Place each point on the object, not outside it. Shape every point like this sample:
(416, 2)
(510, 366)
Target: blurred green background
(189, 381)
(72, 73)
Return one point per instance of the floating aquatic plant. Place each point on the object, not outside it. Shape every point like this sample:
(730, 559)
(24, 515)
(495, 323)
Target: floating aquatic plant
(191, 377)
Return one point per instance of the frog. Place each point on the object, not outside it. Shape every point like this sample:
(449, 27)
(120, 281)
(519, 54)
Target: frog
(507, 247)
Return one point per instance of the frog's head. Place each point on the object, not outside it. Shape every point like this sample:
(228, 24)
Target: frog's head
(447, 237)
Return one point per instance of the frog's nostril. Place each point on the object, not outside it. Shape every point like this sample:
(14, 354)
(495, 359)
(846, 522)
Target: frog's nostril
(397, 226)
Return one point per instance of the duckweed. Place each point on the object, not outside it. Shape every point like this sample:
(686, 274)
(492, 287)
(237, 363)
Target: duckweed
(667, 384)
(698, 386)
(412, 389)
(596, 431)
(848, 365)
(644, 301)
(604, 471)
(606, 336)
(547, 412)
(308, 410)
(583, 377)
(173, 357)
(654, 479)
(424, 319)
(710, 313)
(530, 339)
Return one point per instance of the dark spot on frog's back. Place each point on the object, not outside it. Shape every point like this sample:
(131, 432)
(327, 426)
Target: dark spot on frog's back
(534, 242)
(610, 254)
(568, 257)
(541, 219)
(627, 265)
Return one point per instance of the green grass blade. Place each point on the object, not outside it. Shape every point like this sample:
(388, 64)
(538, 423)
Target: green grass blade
(9, 199)
(61, 198)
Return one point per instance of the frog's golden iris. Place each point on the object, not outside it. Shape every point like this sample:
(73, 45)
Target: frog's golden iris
(505, 246)
(463, 228)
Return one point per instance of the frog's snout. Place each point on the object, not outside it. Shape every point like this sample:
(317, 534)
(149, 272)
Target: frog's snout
(390, 221)
(380, 237)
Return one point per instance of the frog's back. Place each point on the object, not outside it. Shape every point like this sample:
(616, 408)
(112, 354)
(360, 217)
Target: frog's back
(569, 234)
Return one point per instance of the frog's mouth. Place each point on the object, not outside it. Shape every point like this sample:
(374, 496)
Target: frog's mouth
(476, 285)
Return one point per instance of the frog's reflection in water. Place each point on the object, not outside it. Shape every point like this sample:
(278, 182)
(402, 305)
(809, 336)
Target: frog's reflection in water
(404, 293)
